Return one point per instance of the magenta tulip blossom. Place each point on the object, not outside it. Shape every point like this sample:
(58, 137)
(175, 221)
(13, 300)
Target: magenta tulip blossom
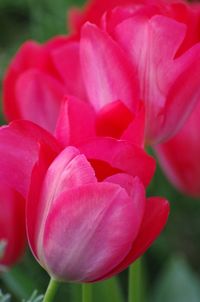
(140, 55)
(94, 194)
(168, 80)
(81, 229)
(34, 88)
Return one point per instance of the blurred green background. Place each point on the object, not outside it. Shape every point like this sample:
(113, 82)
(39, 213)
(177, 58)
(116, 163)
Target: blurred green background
(171, 267)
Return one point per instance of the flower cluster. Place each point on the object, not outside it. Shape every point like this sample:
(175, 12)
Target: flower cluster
(72, 163)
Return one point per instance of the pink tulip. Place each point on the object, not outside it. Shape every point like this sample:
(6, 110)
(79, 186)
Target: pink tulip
(109, 161)
(12, 227)
(82, 229)
(33, 87)
(168, 81)
(179, 157)
(101, 182)
(120, 63)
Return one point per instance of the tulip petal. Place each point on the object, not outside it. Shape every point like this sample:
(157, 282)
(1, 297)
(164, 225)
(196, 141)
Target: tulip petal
(54, 175)
(30, 55)
(19, 150)
(130, 184)
(46, 155)
(113, 119)
(154, 220)
(39, 98)
(142, 38)
(76, 122)
(109, 156)
(107, 72)
(136, 129)
(70, 169)
(169, 84)
(99, 216)
(67, 62)
(184, 93)
(179, 157)
(12, 225)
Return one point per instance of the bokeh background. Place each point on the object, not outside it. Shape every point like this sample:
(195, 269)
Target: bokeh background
(171, 267)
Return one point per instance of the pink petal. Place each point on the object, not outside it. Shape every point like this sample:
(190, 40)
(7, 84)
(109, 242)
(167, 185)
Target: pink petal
(46, 155)
(169, 85)
(109, 156)
(30, 55)
(88, 231)
(39, 97)
(184, 93)
(179, 157)
(12, 225)
(67, 62)
(141, 38)
(108, 74)
(113, 119)
(136, 129)
(68, 170)
(19, 151)
(94, 10)
(119, 14)
(154, 220)
(76, 122)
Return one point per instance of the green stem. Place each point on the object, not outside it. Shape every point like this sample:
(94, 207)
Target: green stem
(134, 283)
(86, 292)
(51, 290)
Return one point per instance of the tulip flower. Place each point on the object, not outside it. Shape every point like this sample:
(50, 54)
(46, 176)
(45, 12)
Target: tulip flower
(33, 88)
(103, 183)
(82, 229)
(19, 150)
(12, 227)
(110, 67)
(161, 74)
(179, 157)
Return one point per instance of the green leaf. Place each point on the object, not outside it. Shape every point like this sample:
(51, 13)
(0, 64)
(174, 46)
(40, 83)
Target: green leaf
(178, 283)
